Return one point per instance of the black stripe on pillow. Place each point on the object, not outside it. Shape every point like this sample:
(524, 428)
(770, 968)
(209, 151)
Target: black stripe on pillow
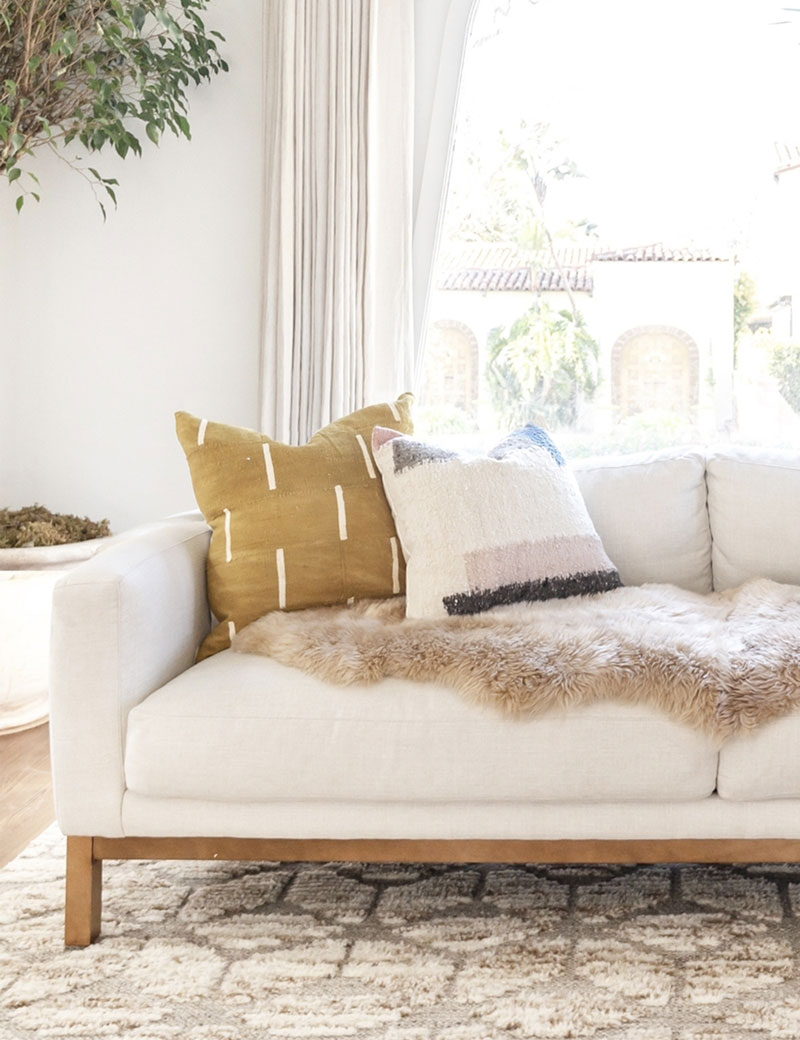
(547, 588)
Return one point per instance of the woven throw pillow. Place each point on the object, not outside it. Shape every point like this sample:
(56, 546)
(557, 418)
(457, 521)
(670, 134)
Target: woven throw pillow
(293, 527)
(480, 531)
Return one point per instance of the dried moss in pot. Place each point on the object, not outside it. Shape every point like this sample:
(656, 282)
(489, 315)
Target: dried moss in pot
(35, 525)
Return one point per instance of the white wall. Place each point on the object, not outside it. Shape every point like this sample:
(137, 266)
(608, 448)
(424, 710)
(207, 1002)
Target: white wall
(115, 326)
(106, 330)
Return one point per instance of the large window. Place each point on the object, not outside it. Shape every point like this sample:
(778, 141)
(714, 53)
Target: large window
(620, 259)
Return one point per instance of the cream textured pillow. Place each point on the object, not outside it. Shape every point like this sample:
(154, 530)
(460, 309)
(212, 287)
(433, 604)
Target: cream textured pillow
(293, 527)
(480, 531)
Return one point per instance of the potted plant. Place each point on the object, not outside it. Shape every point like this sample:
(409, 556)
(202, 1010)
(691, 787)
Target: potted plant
(90, 71)
(36, 548)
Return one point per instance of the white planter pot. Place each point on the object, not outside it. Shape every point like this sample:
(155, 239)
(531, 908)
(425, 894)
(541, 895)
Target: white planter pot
(27, 577)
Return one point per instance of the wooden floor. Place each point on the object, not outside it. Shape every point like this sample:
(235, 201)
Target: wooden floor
(26, 797)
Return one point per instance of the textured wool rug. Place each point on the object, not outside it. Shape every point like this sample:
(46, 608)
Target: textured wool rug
(721, 663)
(216, 951)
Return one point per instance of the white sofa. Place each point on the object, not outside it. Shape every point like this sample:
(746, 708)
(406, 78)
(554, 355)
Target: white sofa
(242, 757)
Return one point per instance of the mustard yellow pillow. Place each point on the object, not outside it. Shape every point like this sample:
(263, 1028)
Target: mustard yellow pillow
(293, 526)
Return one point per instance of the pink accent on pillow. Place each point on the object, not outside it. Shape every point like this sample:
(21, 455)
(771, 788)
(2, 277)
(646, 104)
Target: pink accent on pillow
(381, 435)
(535, 560)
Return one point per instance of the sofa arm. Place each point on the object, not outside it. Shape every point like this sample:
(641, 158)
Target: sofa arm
(124, 623)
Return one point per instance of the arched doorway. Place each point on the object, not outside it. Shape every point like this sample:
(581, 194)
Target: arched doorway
(655, 368)
(451, 368)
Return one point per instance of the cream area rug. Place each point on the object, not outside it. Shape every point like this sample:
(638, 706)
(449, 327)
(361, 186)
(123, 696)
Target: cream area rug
(216, 951)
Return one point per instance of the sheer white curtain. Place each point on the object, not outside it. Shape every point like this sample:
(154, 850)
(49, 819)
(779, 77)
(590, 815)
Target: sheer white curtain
(442, 28)
(339, 104)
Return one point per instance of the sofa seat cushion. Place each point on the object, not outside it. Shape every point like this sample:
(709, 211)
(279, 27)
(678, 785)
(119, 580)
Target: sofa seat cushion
(762, 764)
(242, 728)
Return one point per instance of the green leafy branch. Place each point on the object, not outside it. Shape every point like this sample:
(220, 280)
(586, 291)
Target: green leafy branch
(785, 366)
(543, 367)
(89, 70)
(534, 155)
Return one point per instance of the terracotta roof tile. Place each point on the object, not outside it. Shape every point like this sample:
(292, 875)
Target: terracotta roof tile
(578, 278)
(658, 252)
(503, 267)
(518, 279)
(483, 279)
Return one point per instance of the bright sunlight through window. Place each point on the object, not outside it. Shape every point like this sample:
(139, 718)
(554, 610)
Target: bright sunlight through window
(620, 257)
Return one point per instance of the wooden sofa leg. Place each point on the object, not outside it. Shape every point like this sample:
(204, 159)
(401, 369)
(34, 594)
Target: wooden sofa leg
(84, 893)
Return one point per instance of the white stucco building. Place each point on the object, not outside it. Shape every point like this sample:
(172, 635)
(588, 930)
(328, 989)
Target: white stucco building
(662, 317)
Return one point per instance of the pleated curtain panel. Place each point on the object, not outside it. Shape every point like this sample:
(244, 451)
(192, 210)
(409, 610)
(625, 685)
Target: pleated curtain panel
(339, 105)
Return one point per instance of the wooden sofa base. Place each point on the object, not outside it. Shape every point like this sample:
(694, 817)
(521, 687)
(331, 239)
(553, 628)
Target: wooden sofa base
(85, 858)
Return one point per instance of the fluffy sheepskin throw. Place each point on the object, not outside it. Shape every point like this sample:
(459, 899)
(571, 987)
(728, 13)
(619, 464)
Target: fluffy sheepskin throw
(722, 663)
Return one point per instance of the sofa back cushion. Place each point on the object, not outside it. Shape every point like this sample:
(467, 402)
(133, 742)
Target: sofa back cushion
(754, 511)
(650, 513)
